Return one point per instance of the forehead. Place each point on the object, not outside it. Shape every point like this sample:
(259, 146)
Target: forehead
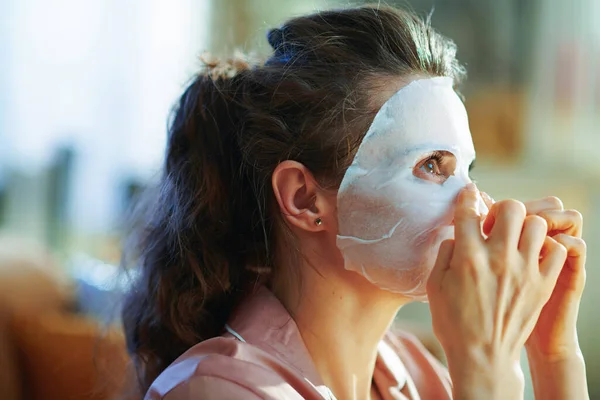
(424, 115)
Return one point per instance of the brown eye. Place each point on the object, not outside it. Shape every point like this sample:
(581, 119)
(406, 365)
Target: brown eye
(438, 167)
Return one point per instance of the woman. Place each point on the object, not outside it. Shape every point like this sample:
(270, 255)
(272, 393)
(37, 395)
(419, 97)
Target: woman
(251, 280)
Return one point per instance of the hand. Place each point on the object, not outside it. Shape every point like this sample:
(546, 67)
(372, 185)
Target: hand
(554, 337)
(486, 295)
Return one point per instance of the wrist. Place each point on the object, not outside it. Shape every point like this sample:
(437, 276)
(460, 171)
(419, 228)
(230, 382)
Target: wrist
(559, 377)
(559, 354)
(485, 377)
(556, 364)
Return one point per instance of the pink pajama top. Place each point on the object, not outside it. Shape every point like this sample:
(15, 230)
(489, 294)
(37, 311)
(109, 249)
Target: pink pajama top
(262, 356)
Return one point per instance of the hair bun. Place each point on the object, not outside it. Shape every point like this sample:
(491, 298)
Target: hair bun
(284, 46)
(275, 38)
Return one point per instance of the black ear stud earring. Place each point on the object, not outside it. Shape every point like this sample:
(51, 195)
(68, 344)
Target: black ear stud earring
(318, 221)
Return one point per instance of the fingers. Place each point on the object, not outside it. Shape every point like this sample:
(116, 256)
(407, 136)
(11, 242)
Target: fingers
(576, 250)
(533, 237)
(533, 207)
(545, 204)
(569, 222)
(467, 219)
(507, 218)
(442, 263)
(554, 256)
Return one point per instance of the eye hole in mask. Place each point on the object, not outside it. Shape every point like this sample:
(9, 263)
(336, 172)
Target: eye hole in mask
(437, 167)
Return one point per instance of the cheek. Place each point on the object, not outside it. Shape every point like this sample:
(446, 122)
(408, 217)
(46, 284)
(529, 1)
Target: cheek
(429, 205)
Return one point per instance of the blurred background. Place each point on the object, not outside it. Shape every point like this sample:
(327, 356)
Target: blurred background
(85, 91)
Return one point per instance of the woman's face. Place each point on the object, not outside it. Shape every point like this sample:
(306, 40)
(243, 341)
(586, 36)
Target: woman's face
(395, 203)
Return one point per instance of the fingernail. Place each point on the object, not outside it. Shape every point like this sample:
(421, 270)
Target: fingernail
(471, 187)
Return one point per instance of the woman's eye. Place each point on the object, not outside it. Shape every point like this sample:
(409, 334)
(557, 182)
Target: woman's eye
(437, 168)
(431, 166)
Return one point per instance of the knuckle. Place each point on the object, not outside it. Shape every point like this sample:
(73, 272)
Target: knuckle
(554, 201)
(537, 222)
(580, 245)
(498, 250)
(466, 213)
(512, 207)
(560, 250)
(575, 216)
(502, 258)
(561, 237)
(472, 261)
(527, 276)
(479, 259)
(557, 240)
(466, 247)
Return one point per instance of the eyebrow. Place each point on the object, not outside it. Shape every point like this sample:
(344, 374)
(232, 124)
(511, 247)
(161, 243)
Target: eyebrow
(427, 147)
(434, 147)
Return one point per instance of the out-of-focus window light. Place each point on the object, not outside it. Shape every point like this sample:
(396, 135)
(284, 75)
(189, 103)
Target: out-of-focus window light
(99, 76)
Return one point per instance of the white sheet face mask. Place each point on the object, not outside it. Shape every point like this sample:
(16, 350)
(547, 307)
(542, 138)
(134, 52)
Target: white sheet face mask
(394, 206)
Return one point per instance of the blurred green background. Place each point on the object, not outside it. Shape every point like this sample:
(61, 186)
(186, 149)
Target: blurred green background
(86, 87)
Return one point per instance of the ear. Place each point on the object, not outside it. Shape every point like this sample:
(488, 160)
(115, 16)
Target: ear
(302, 202)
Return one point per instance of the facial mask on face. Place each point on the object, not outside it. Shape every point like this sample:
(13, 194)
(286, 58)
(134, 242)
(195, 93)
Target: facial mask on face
(391, 222)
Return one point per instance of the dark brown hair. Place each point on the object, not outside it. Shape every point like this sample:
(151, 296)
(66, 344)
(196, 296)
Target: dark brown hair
(208, 232)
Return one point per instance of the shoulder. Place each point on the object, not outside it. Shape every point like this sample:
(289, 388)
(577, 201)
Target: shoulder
(222, 368)
(215, 368)
(205, 387)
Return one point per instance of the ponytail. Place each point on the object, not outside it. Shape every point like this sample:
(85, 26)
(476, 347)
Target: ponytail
(191, 244)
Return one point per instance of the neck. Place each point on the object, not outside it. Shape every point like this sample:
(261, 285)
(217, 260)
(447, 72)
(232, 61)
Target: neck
(342, 318)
